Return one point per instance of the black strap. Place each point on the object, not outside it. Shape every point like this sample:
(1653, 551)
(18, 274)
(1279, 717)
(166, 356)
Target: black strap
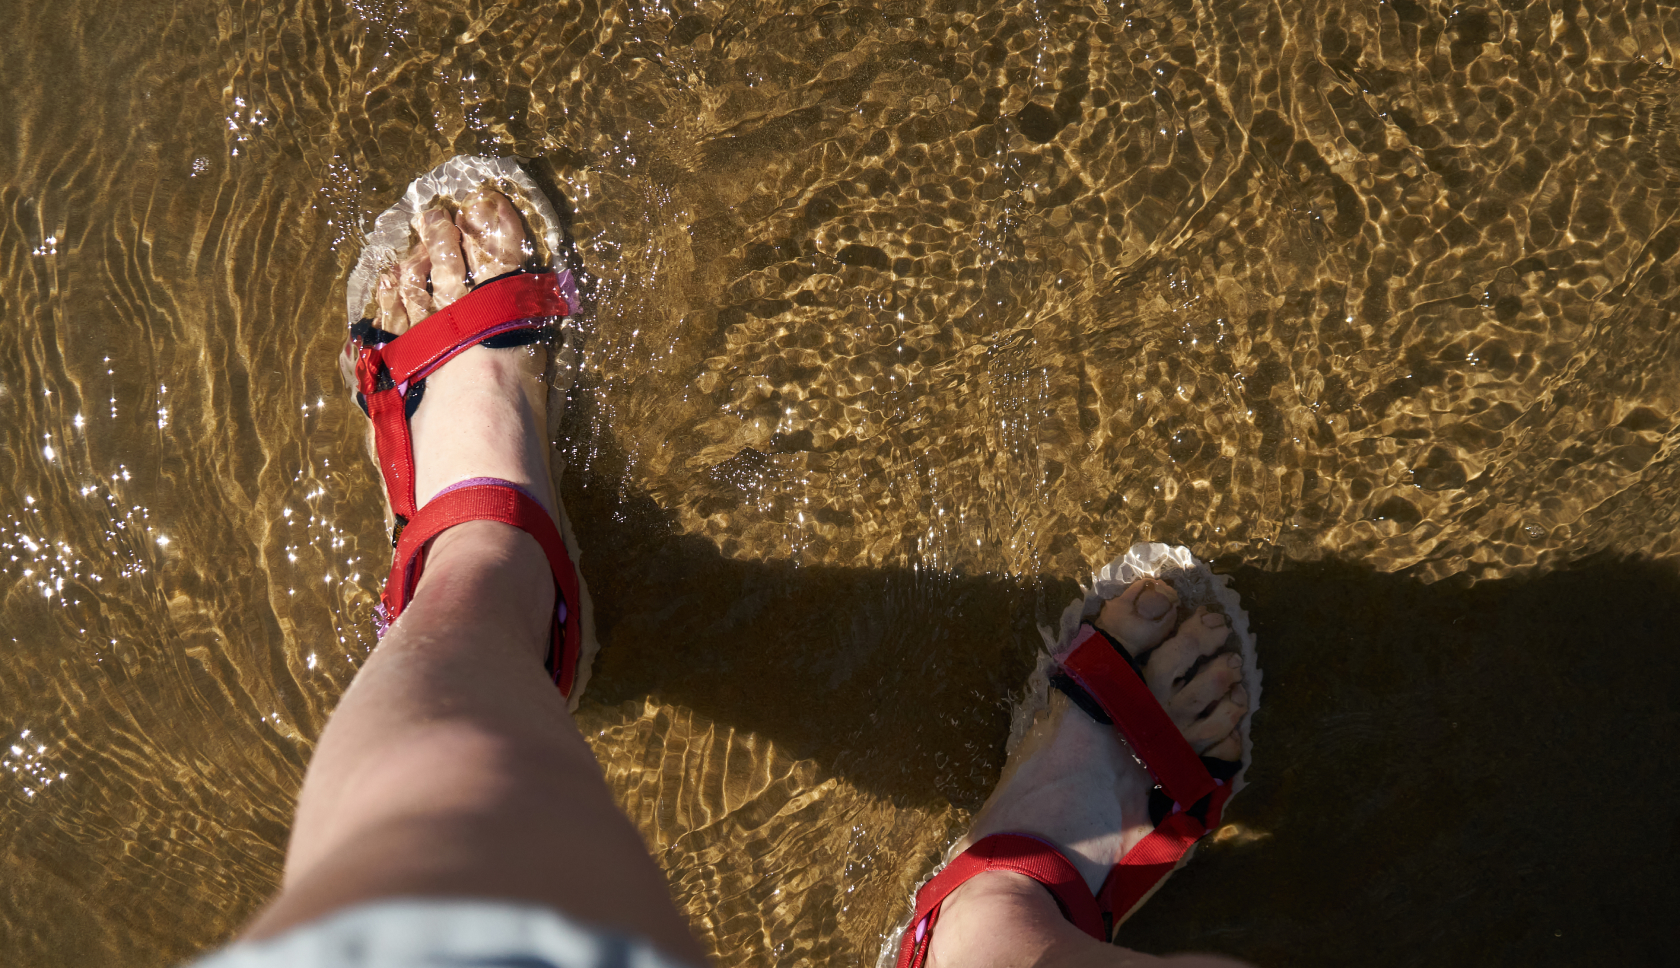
(512, 272)
(365, 332)
(518, 337)
(411, 400)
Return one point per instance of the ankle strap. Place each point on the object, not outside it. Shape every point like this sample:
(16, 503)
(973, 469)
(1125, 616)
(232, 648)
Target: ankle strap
(491, 499)
(1018, 854)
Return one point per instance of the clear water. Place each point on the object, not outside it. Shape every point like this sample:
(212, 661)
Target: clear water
(903, 317)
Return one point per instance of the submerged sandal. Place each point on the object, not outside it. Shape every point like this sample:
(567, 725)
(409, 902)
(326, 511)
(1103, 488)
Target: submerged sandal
(387, 373)
(1107, 683)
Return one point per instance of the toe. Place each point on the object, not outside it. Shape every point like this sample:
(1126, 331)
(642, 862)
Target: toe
(1201, 635)
(1206, 688)
(1217, 734)
(392, 316)
(443, 245)
(1142, 616)
(413, 285)
(492, 235)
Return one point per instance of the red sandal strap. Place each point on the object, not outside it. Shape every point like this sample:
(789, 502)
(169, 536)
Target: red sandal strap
(508, 504)
(1019, 854)
(1152, 859)
(385, 372)
(510, 302)
(1155, 738)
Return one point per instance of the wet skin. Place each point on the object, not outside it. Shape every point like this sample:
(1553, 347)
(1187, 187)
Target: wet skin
(452, 767)
(1074, 782)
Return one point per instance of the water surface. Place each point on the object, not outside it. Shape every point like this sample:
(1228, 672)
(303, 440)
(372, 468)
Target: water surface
(902, 317)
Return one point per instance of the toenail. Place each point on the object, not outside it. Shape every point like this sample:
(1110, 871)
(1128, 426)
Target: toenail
(1234, 661)
(1239, 694)
(1152, 604)
(1213, 620)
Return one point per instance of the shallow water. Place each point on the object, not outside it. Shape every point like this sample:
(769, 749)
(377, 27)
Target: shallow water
(903, 317)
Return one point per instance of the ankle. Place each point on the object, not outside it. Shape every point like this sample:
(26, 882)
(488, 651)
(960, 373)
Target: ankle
(488, 575)
(483, 415)
(997, 918)
(1073, 783)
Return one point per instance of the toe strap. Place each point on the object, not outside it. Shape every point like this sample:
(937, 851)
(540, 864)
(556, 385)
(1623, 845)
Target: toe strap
(1098, 667)
(1016, 853)
(491, 499)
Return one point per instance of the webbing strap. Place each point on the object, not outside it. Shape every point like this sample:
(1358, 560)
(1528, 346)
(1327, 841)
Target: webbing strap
(507, 504)
(511, 302)
(1153, 858)
(391, 438)
(1119, 688)
(1153, 736)
(1017, 853)
(385, 372)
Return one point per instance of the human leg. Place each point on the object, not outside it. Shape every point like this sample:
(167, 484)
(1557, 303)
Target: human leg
(1004, 920)
(451, 767)
(1074, 783)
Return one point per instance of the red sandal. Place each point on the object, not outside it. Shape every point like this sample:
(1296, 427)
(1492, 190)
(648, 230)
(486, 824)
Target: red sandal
(389, 373)
(1104, 681)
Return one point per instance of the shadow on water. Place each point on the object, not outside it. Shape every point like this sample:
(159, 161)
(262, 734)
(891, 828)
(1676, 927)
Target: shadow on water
(1459, 774)
(1451, 772)
(896, 677)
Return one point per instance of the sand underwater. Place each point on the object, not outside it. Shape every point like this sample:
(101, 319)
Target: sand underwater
(901, 317)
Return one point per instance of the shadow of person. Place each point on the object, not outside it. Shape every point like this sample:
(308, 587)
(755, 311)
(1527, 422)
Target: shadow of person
(1448, 772)
(897, 678)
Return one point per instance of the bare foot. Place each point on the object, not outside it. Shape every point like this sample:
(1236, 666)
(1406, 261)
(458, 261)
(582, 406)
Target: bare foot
(1074, 782)
(484, 413)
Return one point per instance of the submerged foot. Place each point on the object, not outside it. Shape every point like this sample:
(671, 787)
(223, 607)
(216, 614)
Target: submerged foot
(484, 413)
(1074, 782)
